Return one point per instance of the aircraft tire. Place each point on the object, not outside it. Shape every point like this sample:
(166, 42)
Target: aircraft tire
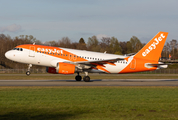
(78, 78)
(86, 79)
(28, 73)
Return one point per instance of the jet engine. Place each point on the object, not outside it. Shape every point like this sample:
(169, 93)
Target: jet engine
(62, 68)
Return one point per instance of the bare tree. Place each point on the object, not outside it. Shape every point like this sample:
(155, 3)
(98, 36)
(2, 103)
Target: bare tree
(65, 42)
(123, 46)
(93, 44)
(136, 44)
(81, 45)
(173, 45)
(104, 44)
(115, 46)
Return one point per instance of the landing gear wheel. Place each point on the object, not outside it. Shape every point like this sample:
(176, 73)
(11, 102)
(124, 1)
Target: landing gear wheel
(28, 73)
(28, 70)
(78, 78)
(86, 79)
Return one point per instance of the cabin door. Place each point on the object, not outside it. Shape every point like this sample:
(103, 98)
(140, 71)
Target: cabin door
(32, 51)
(133, 64)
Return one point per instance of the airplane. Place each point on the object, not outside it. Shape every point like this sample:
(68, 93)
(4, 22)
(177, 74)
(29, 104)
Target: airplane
(69, 61)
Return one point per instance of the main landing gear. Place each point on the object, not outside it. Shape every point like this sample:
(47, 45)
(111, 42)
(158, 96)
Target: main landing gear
(28, 70)
(86, 78)
(78, 77)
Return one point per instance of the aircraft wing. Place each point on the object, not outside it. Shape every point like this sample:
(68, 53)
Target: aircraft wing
(98, 62)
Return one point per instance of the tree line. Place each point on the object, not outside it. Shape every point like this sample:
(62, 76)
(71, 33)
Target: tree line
(106, 44)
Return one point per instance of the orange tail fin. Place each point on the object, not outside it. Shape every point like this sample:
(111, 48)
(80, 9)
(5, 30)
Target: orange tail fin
(152, 50)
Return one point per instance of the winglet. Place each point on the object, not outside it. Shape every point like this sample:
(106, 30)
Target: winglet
(152, 50)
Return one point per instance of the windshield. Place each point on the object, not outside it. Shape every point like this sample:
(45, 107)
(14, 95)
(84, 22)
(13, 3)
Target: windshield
(18, 49)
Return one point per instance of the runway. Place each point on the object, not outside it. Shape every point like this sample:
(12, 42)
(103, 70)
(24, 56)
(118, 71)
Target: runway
(97, 82)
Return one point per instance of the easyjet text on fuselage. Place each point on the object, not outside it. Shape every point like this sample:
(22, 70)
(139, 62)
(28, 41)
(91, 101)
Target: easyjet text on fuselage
(50, 50)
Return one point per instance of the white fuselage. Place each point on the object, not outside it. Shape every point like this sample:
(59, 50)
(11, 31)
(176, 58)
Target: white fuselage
(50, 60)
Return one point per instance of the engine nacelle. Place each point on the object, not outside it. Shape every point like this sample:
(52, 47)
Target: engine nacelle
(62, 68)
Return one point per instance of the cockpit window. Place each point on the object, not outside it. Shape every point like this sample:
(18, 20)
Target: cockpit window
(18, 49)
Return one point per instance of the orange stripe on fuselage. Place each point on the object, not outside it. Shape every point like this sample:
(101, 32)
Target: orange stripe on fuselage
(110, 63)
(101, 68)
(54, 51)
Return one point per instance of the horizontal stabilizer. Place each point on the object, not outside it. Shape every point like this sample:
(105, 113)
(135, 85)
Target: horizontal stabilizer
(160, 66)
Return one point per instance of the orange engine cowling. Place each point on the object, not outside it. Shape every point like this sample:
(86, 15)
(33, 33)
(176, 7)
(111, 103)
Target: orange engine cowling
(62, 68)
(65, 68)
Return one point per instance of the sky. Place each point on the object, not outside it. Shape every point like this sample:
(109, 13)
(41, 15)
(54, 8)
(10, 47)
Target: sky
(49, 20)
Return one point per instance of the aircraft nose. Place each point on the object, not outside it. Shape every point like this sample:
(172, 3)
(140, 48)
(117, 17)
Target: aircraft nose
(8, 55)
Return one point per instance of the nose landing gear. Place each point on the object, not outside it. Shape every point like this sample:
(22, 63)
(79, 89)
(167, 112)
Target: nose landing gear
(28, 70)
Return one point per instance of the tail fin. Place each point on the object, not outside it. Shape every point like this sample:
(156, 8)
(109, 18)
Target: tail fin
(152, 50)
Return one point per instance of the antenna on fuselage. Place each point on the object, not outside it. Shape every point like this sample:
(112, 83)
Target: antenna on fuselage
(34, 43)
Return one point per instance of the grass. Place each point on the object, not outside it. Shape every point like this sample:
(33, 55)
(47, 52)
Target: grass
(173, 66)
(88, 103)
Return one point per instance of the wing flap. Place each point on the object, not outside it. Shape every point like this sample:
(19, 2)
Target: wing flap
(98, 62)
(107, 61)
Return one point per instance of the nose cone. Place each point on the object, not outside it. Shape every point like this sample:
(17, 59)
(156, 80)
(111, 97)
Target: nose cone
(8, 55)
